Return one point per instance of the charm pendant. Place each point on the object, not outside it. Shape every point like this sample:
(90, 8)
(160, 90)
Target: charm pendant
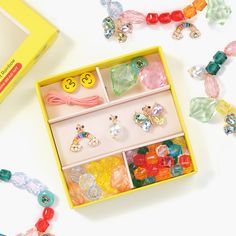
(195, 33)
(150, 116)
(76, 146)
(230, 127)
(115, 129)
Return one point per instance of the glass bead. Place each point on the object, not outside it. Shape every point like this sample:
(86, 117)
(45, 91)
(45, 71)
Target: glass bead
(230, 119)
(168, 143)
(114, 9)
(42, 225)
(228, 129)
(175, 150)
(212, 88)
(189, 11)
(105, 2)
(5, 175)
(153, 75)
(218, 11)
(109, 27)
(152, 18)
(130, 155)
(176, 170)
(46, 198)
(138, 183)
(188, 169)
(48, 213)
(86, 181)
(139, 160)
(199, 4)
(220, 58)
(140, 173)
(223, 107)
(19, 180)
(177, 16)
(202, 108)
(34, 186)
(75, 173)
(162, 150)
(149, 180)
(123, 78)
(163, 174)
(184, 161)
(132, 168)
(115, 130)
(230, 49)
(143, 150)
(164, 18)
(198, 72)
(138, 63)
(212, 68)
(152, 170)
(168, 161)
(151, 158)
(94, 193)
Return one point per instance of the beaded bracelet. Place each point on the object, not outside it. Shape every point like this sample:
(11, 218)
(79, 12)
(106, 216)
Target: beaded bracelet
(203, 108)
(119, 23)
(45, 199)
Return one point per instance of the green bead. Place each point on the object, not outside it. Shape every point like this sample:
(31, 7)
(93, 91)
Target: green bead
(138, 63)
(202, 108)
(220, 57)
(168, 143)
(150, 180)
(212, 68)
(123, 78)
(138, 183)
(143, 150)
(132, 168)
(5, 175)
(46, 198)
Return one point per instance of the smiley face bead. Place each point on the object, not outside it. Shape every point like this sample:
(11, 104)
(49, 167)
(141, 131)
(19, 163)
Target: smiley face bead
(69, 85)
(87, 80)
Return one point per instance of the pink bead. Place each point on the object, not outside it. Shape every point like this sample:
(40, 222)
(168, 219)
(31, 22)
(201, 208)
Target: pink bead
(230, 49)
(31, 232)
(133, 17)
(153, 75)
(211, 86)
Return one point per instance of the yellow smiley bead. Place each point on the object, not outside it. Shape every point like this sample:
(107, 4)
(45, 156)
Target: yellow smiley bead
(87, 80)
(69, 85)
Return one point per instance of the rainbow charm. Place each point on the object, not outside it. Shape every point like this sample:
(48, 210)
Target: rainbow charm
(195, 33)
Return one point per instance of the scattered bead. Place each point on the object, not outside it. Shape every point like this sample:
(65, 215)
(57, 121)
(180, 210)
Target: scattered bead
(151, 158)
(199, 4)
(230, 49)
(138, 63)
(69, 85)
(231, 119)
(220, 58)
(19, 180)
(177, 16)
(143, 150)
(176, 170)
(184, 161)
(5, 175)
(223, 107)
(87, 80)
(140, 173)
(46, 198)
(189, 11)
(212, 88)
(198, 72)
(48, 213)
(94, 193)
(114, 9)
(152, 18)
(164, 18)
(175, 150)
(34, 186)
(42, 225)
(163, 174)
(162, 150)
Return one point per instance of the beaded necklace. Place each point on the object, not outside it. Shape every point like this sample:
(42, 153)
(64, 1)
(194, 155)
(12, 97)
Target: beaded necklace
(119, 23)
(203, 108)
(45, 199)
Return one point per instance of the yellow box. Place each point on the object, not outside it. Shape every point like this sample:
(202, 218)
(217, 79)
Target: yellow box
(39, 35)
(42, 87)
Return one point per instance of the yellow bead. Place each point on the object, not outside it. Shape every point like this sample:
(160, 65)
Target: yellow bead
(180, 141)
(233, 110)
(87, 80)
(223, 107)
(69, 85)
(94, 168)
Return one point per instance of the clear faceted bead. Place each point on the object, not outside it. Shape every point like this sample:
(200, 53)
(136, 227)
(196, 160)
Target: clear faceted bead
(115, 130)
(34, 186)
(94, 193)
(231, 119)
(75, 173)
(197, 72)
(114, 9)
(19, 180)
(86, 181)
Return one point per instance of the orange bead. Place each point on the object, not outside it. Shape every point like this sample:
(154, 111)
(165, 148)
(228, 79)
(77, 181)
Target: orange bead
(189, 11)
(199, 4)
(151, 158)
(140, 173)
(188, 169)
(163, 174)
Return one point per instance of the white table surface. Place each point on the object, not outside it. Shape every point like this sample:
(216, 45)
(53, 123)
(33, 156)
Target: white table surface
(201, 204)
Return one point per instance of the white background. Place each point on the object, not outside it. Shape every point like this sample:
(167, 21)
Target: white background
(199, 205)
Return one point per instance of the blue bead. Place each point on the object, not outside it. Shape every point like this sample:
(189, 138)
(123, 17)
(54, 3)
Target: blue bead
(176, 170)
(46, 198)
(105, 2)
(175, 150)
(20, 180)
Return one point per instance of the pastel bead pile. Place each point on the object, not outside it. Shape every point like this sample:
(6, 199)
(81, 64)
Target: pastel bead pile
(159, 162)
(34, 186)
(97, 179)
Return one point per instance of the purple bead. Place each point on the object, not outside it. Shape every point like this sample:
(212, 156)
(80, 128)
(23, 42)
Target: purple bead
(157, 109)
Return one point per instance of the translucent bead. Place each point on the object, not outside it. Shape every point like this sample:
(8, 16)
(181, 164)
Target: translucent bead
(220, 58)
(140, 173)
(197, 72)
(177, 16)
(212, 88)
(184, 161)
(223, 107)
(34, 186)
(212, 68)
(75, 173)
(140, 160)
(115, 130)
(162, 151)
(175, 150)
(176, 170)
(46, 198)
(189, 11)
(5, 175)
(152, 170)
(230, 49)
(133, 17)
(94, 193)
(86, 181)
(114, 9)
(123, 78)
(151, 158)
(217, 11)
(229, 129)
(19, 180)
(164, 18)
(199, 4)
(109, 27)
(150, 180)
(168, 161)
(42, 225)
(105, 2)
(152, 18)
(48, 213)
(138, 63)
(163, 174)
(230, 119)
(143, 150)
(202, 108)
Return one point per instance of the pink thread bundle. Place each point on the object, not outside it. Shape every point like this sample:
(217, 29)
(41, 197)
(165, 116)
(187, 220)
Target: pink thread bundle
(54, 98)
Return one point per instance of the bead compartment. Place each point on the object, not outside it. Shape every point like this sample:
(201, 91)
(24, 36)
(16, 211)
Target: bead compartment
(61, 124)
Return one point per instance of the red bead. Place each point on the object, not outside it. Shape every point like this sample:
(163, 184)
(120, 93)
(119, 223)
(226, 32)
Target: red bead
(42, 225)
(168, 161)
(152, 18)
(185, 161)
(48, 213)
(164, 18)
(152, 170)
(140, 160)
(177, 15)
